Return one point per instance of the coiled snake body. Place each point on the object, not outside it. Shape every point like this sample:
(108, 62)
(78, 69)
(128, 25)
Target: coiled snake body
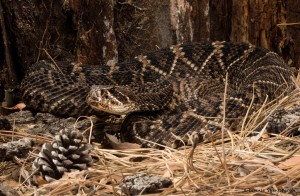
(183, 83)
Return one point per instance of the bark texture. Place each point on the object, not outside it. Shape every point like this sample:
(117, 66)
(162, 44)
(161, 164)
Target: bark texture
(108, 31)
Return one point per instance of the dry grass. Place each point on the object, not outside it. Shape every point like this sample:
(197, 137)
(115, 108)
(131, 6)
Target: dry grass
(238, 165)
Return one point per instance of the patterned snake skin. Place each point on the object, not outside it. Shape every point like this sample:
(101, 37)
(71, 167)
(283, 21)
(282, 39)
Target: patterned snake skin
(184, 84)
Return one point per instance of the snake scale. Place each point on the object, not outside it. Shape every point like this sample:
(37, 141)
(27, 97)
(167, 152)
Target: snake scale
(168, 94)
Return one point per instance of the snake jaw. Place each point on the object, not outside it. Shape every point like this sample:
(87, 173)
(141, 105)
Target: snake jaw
(109, 99)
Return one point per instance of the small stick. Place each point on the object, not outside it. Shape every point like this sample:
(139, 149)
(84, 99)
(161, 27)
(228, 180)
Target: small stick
(223, 128)
(57, 67)
(285, 156)
(287, 24)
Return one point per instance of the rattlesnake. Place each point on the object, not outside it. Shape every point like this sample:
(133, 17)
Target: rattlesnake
(182, 85)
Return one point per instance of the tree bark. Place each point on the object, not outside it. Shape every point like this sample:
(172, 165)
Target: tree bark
(98, 32)
(9, 73)
(96, 41)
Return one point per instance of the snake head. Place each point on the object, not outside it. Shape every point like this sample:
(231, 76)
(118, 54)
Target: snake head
(111, 99)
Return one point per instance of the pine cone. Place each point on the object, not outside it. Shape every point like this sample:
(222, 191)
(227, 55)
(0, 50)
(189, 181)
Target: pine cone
(67, 153)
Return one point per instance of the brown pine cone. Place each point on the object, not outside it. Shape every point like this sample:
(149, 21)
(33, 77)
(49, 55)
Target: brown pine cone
(67, 153)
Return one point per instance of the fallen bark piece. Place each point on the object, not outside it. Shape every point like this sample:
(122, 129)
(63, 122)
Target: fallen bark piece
(18, 148)
(7, 191)
(142, 183)
(21, 117)
(4, 123)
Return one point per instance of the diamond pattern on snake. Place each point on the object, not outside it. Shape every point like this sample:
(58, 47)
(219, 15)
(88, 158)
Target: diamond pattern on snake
(168, 94)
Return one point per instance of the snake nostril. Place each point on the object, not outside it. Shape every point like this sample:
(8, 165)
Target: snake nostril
(105, 97)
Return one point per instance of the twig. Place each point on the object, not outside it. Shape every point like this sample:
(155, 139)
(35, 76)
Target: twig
(287, 24)
(286, 156)
(132, 4)
(90, 128)
(223, 128)
(45, 31)
(56, 66)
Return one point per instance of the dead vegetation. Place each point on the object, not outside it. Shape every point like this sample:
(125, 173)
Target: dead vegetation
(237, 164)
